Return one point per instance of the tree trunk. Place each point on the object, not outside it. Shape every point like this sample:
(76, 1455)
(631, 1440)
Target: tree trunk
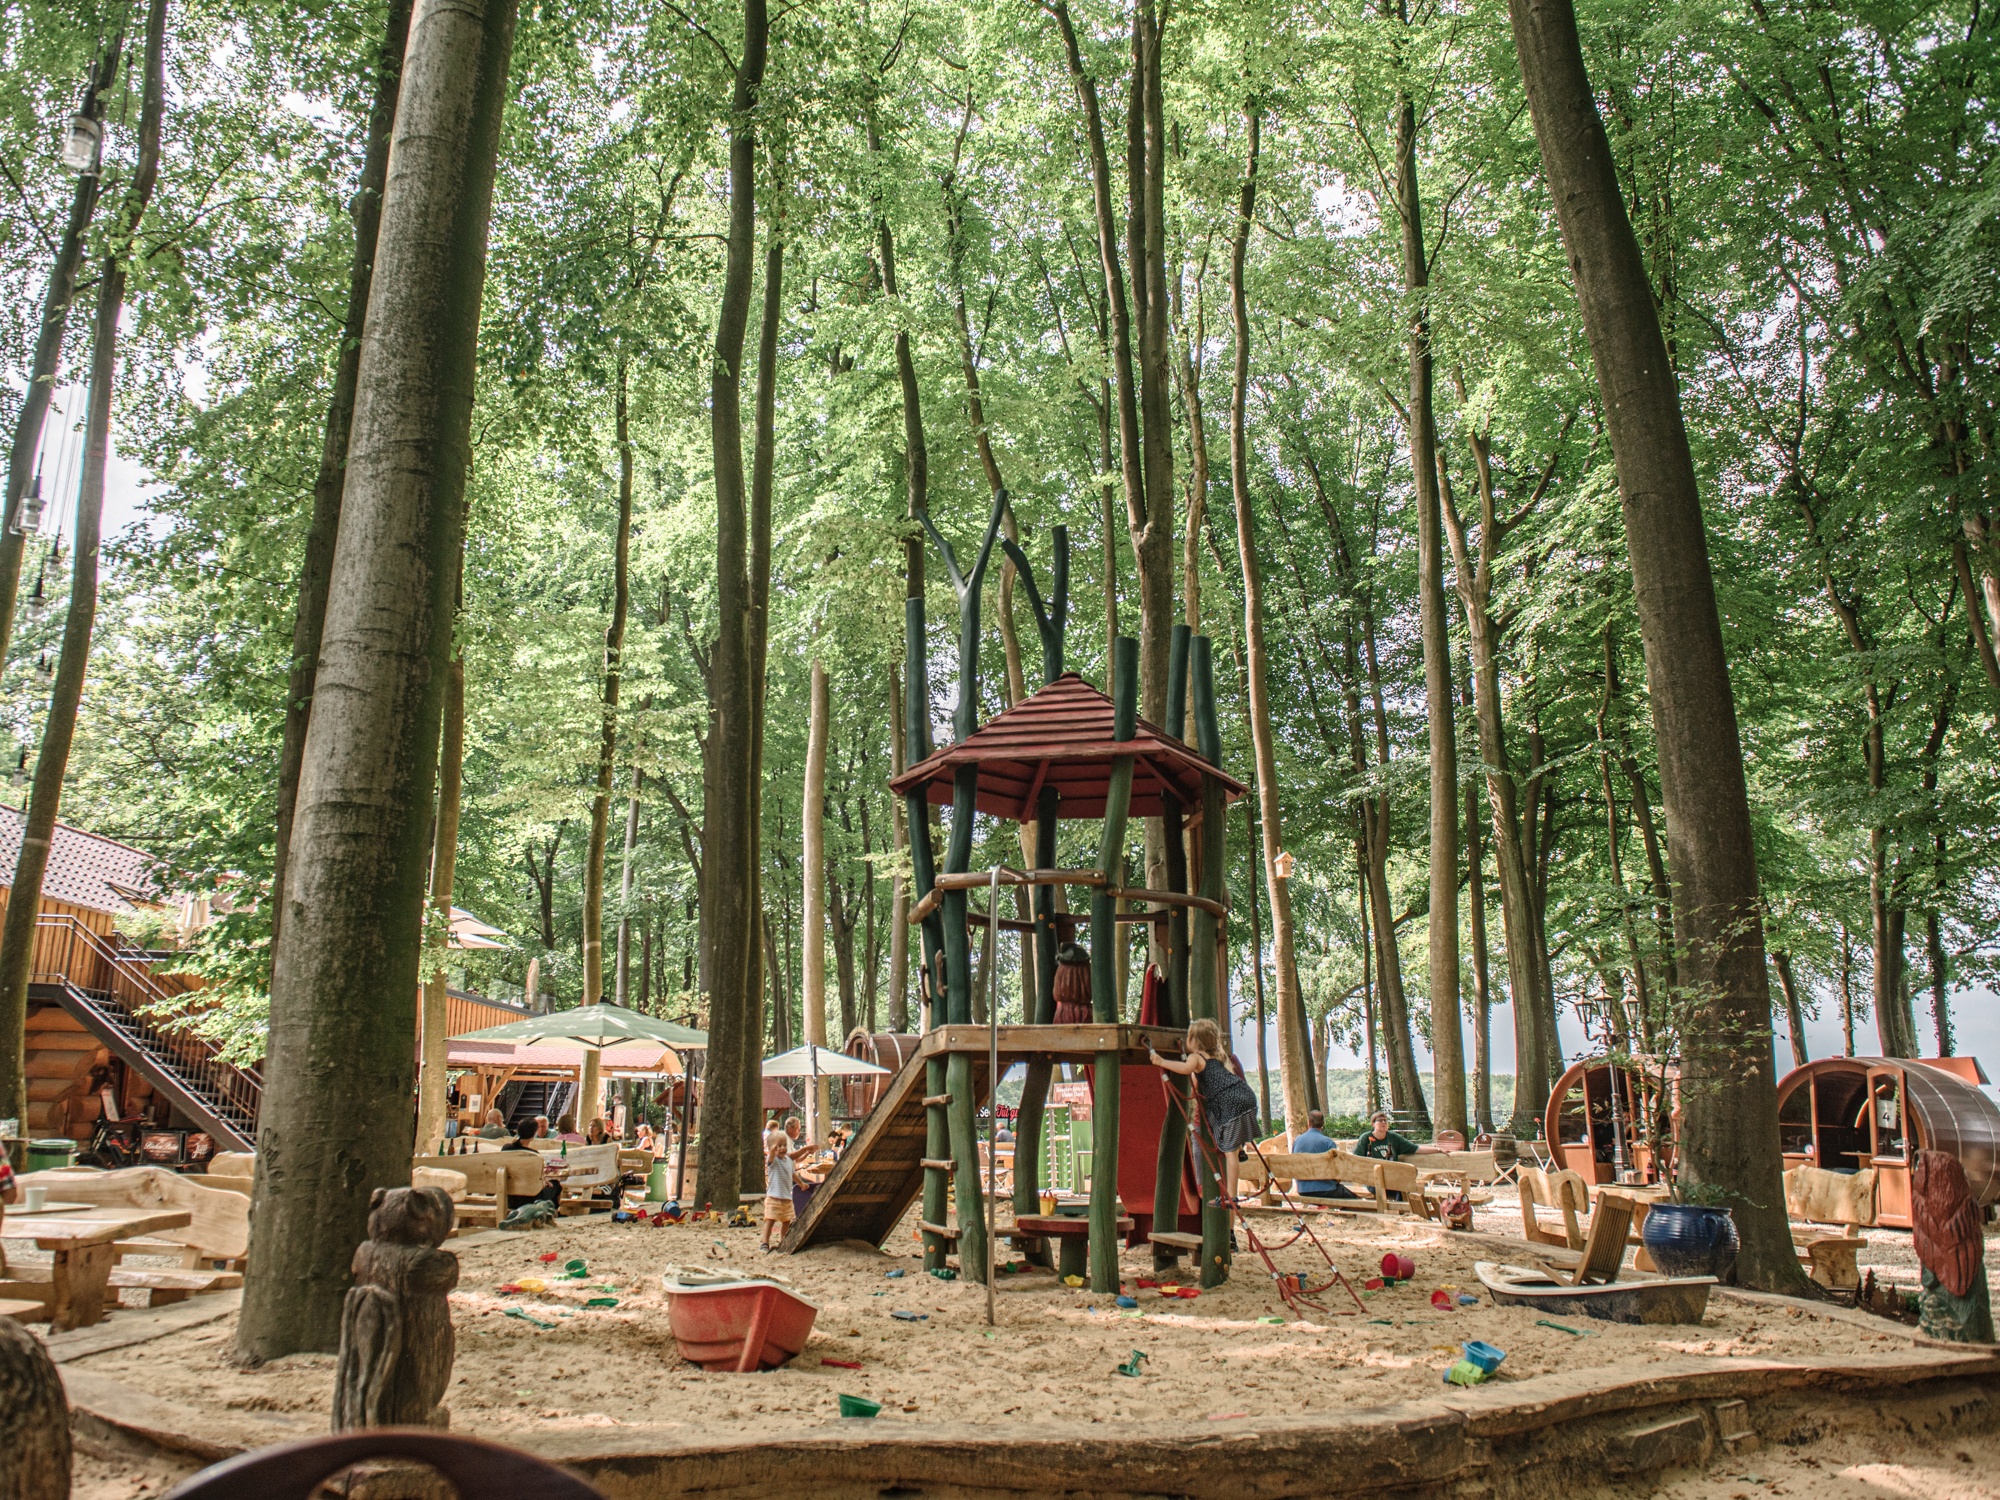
(344, 977)
(433, 1067)
(594, 858)
(1482, 982)
(1730, 1132)
(317, 566)
(1940, 1001)
(729, 897)
(17, 931)
(628, 871)
(1795, 1012)
(813, 873)
(1293, 1058)
(1447, 1035)
(47, 357)
(899, 896)
(1846, 993)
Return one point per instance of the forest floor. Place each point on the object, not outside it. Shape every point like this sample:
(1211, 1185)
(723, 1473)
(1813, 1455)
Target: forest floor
(1051, 1358)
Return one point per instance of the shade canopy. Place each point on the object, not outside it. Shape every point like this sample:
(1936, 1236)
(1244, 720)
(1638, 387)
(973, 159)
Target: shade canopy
(1061, 738)
(628, 1059)
(467, 931)
(592, 1026)
(818, 1062)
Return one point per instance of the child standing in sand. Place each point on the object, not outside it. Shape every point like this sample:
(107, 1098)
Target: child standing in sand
(777, 1186)
(1228, 1107)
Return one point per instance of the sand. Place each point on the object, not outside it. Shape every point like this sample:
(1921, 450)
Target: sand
(1051, 1357)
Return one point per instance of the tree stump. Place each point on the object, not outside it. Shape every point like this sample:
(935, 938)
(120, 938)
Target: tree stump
(34, 1419)
(396, 1346)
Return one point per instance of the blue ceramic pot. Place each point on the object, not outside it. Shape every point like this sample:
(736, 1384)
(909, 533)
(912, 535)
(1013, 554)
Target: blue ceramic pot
(1691, 1239)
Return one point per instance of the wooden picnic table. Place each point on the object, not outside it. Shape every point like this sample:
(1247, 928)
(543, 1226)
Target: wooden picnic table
(83, 1244)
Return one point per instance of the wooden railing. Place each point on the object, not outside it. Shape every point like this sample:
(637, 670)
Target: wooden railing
(119, 983)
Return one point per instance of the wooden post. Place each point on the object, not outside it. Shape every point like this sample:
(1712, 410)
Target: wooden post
(1206, 994)
(923, 879)
(1173, 1129)
(1051, 620)
(1103, 979)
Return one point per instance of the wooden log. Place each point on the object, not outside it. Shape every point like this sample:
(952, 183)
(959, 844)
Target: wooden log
(1167, 898)
(941, 1163)
(973, 879)
(936, 1101)
(396, 1345)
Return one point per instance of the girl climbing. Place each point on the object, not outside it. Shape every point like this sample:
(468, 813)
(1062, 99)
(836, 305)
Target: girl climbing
(1228, 1107)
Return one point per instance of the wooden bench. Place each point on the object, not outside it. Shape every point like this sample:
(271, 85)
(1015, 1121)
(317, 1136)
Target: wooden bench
(163, 1287)
(492, 1180)
(22, 1310)
(1380, 1178)
(1072, 1236)
(217, 1227)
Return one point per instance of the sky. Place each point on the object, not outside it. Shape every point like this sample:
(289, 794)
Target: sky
(1975, 1024)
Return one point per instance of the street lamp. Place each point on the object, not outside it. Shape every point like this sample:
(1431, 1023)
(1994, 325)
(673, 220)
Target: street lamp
(81, 143)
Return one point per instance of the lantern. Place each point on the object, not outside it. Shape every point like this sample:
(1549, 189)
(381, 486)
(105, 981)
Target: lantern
(1282, 865)
(38, 603)
(30, 517)
(80, 145)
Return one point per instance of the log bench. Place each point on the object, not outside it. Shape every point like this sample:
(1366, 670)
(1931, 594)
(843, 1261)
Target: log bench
(1830, 1258)
(21, 1310)
(164, 1287)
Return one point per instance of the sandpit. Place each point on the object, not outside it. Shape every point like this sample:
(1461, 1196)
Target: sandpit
(1051, 1359)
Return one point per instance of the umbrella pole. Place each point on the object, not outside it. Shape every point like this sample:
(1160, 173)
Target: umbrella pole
(687, 1093)
(992, 1078)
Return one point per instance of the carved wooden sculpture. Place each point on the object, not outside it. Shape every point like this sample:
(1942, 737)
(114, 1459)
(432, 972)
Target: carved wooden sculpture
(396, 1345)
(1944, 1225)
(34, 1419)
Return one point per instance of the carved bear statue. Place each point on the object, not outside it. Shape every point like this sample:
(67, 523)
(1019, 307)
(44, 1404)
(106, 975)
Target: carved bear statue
(396, 1346)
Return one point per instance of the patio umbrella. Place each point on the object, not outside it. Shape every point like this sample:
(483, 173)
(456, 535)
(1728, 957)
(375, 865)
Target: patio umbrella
(593, 1027)
(815, 1062)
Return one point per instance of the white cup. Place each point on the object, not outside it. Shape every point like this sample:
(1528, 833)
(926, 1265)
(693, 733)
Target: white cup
(34, 1198)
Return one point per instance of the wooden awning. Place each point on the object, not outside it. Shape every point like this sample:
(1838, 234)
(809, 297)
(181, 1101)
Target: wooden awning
(1060, 737)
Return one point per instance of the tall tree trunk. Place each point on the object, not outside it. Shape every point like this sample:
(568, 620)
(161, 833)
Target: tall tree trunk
(813, 873)
(1475, 590)
(17, 931)
(317, 566)
(899, 895)
(1447, 1035)
(729, 886)
(1294, 1063)
(1730, 1132)
(1257, 978)
(1940, 1000)
(1482, 981)
(44, 363)
(1846, 993)
(594, 858)
(1795, 1011)
(628, 871)
(433, 1065)
(344, 977)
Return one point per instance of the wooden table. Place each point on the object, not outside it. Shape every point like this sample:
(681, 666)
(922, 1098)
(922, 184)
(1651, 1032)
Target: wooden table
(1071, 1234)
(83, 1245)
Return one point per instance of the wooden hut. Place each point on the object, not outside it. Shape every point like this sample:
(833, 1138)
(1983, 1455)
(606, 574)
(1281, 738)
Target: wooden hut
(1854, 1114)
(1598, 1118)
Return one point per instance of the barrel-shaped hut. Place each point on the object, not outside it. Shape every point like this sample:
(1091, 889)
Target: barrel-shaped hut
(1870, 1115)
(1604, 1118)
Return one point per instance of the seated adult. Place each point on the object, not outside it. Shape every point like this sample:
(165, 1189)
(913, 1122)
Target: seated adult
(566, 1131)
(554, 1168)
(1311, 1142)
(10, 1190)
(595, 1134)
(495, 1128)
(1384, 1144)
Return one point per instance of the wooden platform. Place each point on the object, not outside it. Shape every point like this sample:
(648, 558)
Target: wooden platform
(882, 1171)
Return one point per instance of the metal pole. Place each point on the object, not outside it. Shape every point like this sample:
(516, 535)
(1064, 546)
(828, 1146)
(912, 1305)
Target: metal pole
(992, 959)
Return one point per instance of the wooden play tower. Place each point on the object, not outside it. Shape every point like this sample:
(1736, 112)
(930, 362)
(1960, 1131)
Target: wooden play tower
(1068, 751)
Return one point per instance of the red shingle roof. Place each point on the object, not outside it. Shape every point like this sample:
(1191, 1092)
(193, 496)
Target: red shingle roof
(85, 869)
(1061, 737)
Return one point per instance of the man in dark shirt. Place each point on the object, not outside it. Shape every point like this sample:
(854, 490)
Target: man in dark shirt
(1384, 1144)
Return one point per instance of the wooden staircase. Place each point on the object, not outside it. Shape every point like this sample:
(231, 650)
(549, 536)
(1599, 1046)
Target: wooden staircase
(882, 1171)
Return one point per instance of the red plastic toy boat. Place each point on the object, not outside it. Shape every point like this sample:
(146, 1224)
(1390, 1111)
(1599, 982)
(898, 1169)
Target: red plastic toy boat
(726, 1321)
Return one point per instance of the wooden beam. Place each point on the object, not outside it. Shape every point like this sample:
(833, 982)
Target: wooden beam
(1172, 898)
(972, 880)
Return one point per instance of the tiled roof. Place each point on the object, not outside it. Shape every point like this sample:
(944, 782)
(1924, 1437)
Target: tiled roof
(85, 869)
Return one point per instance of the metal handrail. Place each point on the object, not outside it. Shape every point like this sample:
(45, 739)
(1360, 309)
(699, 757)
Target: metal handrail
(68, 952)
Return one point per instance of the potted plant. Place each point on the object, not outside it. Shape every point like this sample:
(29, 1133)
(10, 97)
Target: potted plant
(1693, 1233)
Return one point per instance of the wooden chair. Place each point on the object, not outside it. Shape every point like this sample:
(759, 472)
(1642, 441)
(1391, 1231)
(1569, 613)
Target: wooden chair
(1603, 1248)
(1563, 1191)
